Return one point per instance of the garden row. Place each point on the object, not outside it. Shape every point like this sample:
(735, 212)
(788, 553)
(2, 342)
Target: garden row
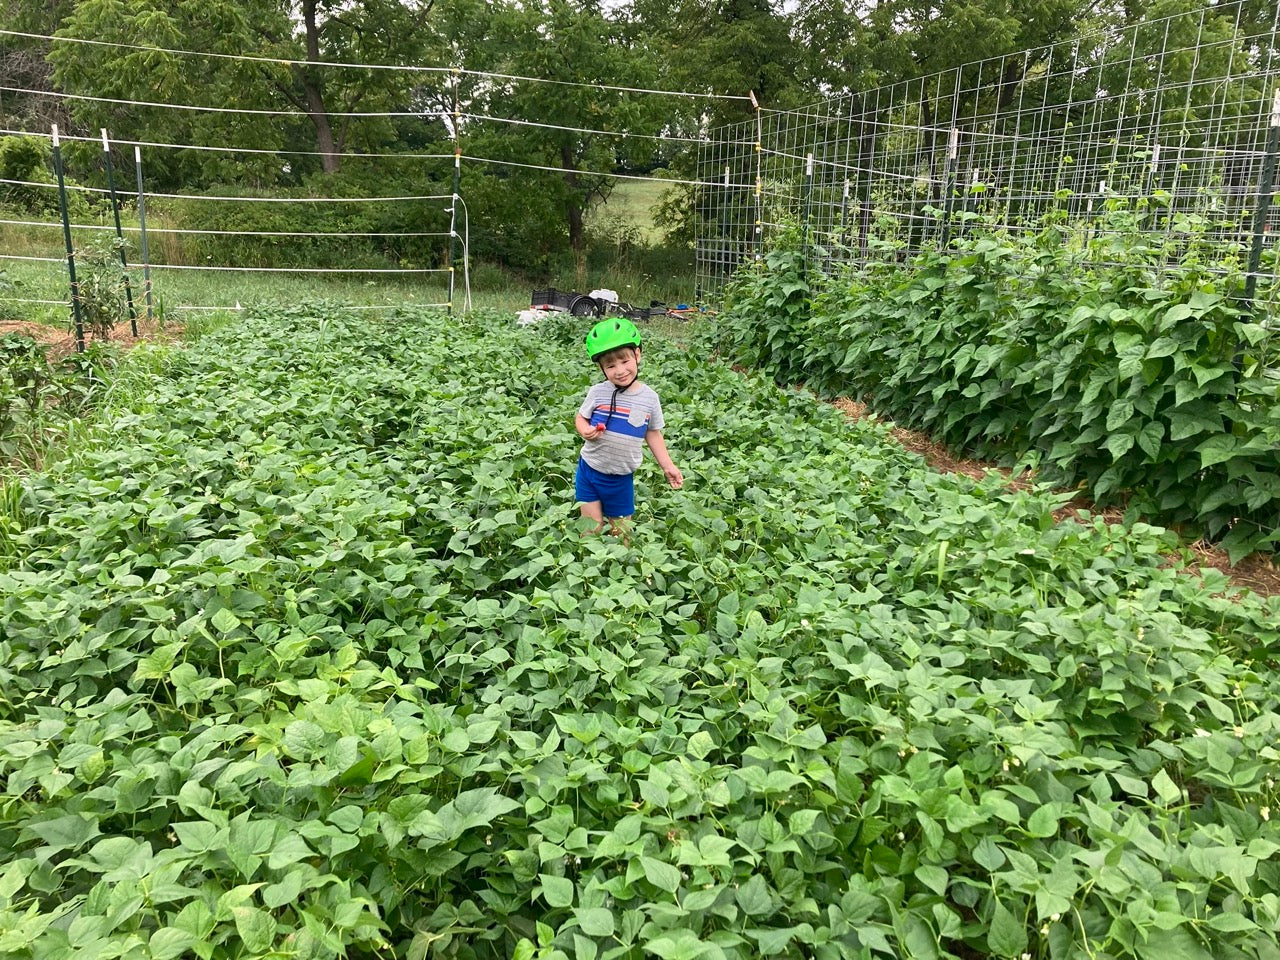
(303, 655)
(1080, 355)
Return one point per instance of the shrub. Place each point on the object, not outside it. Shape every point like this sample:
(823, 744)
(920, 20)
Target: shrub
(30, 160)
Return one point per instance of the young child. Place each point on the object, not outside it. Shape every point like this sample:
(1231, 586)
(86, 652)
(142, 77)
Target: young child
(617, 418)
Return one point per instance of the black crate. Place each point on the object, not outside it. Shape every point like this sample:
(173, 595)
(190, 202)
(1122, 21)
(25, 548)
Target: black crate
(551, 298)
(640, 314)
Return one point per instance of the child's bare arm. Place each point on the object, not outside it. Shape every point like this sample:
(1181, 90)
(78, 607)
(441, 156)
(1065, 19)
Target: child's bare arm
(659, 447)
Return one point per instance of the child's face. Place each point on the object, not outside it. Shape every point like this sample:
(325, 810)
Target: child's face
(620, 366)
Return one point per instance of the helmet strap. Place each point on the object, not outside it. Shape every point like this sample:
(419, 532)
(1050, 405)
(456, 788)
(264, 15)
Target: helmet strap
(613, 402)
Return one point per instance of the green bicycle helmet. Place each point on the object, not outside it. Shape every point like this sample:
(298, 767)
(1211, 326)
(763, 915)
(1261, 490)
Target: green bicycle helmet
(610, 334)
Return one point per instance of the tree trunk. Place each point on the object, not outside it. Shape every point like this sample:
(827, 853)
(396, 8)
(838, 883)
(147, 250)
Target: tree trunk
(330, 160)
(577, 236)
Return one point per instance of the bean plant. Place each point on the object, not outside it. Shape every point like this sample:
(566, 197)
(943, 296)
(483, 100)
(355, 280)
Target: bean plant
(304, 654)
(1157, 390)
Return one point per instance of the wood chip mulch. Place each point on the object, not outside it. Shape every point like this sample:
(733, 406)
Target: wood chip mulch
(1258, 571)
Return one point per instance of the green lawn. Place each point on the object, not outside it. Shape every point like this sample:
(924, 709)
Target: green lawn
(178, 294)
(638, 275)
(635, 201)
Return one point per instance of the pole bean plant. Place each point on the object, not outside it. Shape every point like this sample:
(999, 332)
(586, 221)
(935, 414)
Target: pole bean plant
(1153, 389)
(303, 654)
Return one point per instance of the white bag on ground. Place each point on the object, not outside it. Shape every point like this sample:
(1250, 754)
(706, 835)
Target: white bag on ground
(529, 318)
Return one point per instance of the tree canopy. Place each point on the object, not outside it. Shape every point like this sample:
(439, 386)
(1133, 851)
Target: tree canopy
(545, 98)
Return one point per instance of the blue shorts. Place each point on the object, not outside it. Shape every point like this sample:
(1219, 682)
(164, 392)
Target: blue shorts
(617, 494)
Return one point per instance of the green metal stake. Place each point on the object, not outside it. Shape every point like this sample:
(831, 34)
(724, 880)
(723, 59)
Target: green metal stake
(804, 226)
(66, 232)
(969, 202)
(453, 225)
(453, 201)
(727, 245)
(142, 223)
(953, 152)
(843, 232)
(759, 231)
(1153, 169)
(115, 209)
(1266, 186)
(1265, 190)
(725, 233)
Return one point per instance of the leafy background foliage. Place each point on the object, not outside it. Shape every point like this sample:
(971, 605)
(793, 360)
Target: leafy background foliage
(31, 162)
(397, 221)
(1081, 354)
(303, 656)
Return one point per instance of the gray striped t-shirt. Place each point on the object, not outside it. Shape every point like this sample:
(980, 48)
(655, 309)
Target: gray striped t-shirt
(635, 412)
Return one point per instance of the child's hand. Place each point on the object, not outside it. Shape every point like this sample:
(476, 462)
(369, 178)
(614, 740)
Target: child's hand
(674, 476)
(593, 433)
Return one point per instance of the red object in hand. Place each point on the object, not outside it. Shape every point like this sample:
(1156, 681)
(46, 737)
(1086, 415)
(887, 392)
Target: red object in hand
(599, 428)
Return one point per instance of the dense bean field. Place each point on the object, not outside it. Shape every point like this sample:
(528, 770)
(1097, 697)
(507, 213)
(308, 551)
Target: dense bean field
(303, 655)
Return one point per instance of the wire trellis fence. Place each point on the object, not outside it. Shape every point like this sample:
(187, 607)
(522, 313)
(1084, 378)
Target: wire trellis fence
(215, 233)
(69, 221)
(1165, 133)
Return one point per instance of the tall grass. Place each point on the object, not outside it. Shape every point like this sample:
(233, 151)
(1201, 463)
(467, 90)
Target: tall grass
(182, 295)
(11, 522)
(624, 254)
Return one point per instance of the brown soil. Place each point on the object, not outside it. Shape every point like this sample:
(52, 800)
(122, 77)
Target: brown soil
(1258, 572)
(60, 341)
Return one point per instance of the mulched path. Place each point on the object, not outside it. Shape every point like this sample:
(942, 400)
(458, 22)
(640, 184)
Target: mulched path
(1258, 571)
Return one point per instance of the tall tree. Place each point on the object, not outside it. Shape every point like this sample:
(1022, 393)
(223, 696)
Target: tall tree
(291, 45)
(725, 50)
(855, 46)
(728, 48)
(582, 117)
(24, 64)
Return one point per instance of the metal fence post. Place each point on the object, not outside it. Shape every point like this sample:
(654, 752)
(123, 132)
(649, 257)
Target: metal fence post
(866, 167)
(969, 202)
(1266, 187)
(66, 233)
(115, 209)
(453, 202)
(843, 232)
(1149, 187)
(759, 239)
(953, 151)
(726, 233)
(142, 224)
(804, 223)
